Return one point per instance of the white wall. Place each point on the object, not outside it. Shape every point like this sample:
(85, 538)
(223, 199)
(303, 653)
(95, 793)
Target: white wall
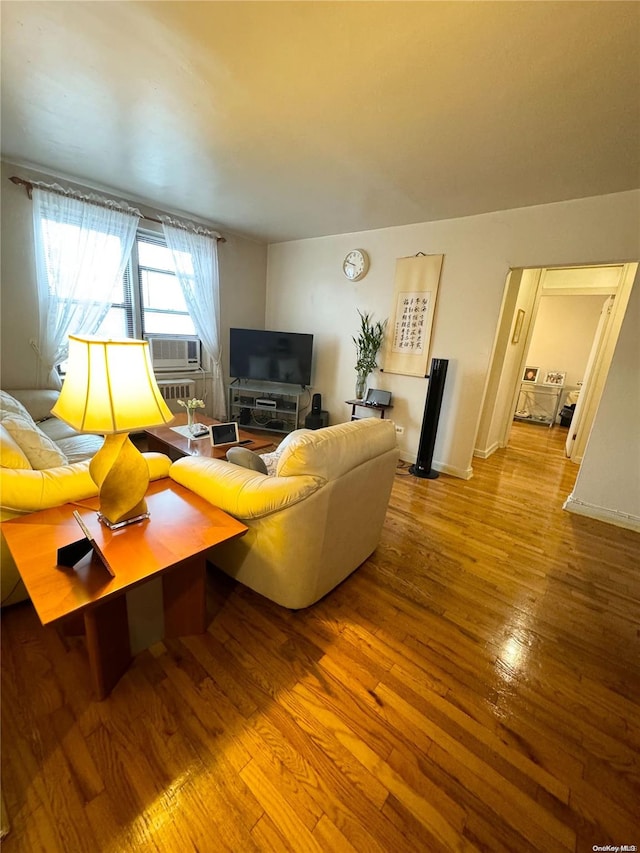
(243, 264)
(563, 334)
(307, 292)
(608, 483)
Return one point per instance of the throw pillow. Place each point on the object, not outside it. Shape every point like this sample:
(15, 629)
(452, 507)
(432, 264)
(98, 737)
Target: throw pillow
(10, 406)
(37, 447)
(246, 458)
(10, 454)
(271, 460)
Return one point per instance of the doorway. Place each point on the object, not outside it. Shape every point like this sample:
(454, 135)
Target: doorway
(523, 297)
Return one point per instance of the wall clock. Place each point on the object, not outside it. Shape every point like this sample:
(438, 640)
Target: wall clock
(356, 264)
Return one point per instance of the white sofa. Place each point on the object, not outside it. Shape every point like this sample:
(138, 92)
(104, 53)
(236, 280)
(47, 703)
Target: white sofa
(43, 463)
(312, 523)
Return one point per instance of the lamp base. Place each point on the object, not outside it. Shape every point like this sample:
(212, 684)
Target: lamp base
(115, 525)
(122, 475)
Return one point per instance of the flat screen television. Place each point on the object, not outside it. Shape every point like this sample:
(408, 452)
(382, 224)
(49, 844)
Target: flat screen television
(262, 355)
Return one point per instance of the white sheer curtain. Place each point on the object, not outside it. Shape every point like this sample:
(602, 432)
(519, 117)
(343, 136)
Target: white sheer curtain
(195, 258)
(82, 246)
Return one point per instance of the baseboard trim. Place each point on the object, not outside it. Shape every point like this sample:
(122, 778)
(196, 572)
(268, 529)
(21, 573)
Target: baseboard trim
(487, 452)
(600, 513)
(461, 473)
(441, 467)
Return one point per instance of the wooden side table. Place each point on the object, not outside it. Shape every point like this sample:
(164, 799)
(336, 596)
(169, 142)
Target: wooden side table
(172, 543)
(378, 407)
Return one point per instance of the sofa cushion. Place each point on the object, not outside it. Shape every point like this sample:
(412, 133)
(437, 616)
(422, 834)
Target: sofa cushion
(10, 454)
(335, 450)
(39, 449)
(57, 430)
(79, 447)
(38, 402)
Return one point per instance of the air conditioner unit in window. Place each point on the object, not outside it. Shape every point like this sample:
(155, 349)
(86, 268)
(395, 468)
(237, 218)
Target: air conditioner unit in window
(173, 354)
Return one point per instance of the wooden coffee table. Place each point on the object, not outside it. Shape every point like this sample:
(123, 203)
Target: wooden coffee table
(165, 440)
(172, 543)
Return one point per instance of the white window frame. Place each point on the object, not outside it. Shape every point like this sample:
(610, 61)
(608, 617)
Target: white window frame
(137, 298)
(132, 285)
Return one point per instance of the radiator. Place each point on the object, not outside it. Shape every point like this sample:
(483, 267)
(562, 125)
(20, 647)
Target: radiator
(173, 390)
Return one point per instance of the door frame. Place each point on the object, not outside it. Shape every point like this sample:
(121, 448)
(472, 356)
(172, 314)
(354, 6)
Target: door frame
(608, 279)
(592, 392)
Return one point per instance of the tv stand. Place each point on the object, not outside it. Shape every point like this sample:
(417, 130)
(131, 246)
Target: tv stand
(269, 406)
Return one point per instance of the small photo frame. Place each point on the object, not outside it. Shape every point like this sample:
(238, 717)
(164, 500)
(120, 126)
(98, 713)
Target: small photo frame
(530, 374)
(554, 377)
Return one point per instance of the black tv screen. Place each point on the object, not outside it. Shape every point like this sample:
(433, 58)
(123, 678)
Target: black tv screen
(270, 356)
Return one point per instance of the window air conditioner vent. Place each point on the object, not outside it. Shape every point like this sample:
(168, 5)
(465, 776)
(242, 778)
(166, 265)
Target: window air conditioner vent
(174, 354)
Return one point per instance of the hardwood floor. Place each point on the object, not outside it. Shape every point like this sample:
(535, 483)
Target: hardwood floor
(474, 685)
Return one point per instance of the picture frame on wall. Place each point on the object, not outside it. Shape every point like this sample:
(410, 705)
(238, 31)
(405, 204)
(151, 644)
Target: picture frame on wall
(408, 342)
(517, 329)
(554, 377)
(530, 374)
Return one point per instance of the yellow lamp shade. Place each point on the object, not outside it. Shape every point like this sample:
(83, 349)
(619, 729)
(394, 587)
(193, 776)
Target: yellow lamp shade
(110, 387)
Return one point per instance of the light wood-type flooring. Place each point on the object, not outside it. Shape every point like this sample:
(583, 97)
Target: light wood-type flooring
(474, 685)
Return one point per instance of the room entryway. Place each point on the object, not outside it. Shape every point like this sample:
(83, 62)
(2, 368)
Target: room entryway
(554, 344)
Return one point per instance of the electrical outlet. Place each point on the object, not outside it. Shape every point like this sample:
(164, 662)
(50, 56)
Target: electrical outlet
(399, 429)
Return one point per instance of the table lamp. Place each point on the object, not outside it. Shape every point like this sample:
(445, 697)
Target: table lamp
(110, 388)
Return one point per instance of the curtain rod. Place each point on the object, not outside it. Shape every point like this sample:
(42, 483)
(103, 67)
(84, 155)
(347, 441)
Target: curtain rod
(29, 188)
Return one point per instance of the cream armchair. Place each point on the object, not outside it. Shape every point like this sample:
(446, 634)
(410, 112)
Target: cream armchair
(312, 523)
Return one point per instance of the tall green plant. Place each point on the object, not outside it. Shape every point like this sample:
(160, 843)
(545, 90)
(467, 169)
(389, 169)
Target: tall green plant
(368, 342)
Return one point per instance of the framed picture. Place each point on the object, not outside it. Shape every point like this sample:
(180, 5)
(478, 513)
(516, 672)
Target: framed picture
(408, 338)
(554, 377)
(530, 374)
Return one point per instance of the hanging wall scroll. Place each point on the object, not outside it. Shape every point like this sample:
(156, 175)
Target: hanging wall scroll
(414, 301)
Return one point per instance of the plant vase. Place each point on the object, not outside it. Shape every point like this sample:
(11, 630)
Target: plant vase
(191, 419)
(367, 342)
(361, 385)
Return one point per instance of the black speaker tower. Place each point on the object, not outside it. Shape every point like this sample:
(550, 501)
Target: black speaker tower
(432, 407)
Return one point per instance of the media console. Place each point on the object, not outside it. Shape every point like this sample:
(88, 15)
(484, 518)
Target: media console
(265, 405)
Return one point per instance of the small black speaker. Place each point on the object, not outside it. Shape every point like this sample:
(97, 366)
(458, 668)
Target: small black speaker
(437, 377)
(316, 404)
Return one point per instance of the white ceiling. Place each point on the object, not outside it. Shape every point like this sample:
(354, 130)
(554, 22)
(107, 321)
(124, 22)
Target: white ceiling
(283, 120)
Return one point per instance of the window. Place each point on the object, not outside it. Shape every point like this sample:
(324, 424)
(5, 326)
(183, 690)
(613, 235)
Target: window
(163, 308)
(150, 301)
(119, 320)
(62, 240)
